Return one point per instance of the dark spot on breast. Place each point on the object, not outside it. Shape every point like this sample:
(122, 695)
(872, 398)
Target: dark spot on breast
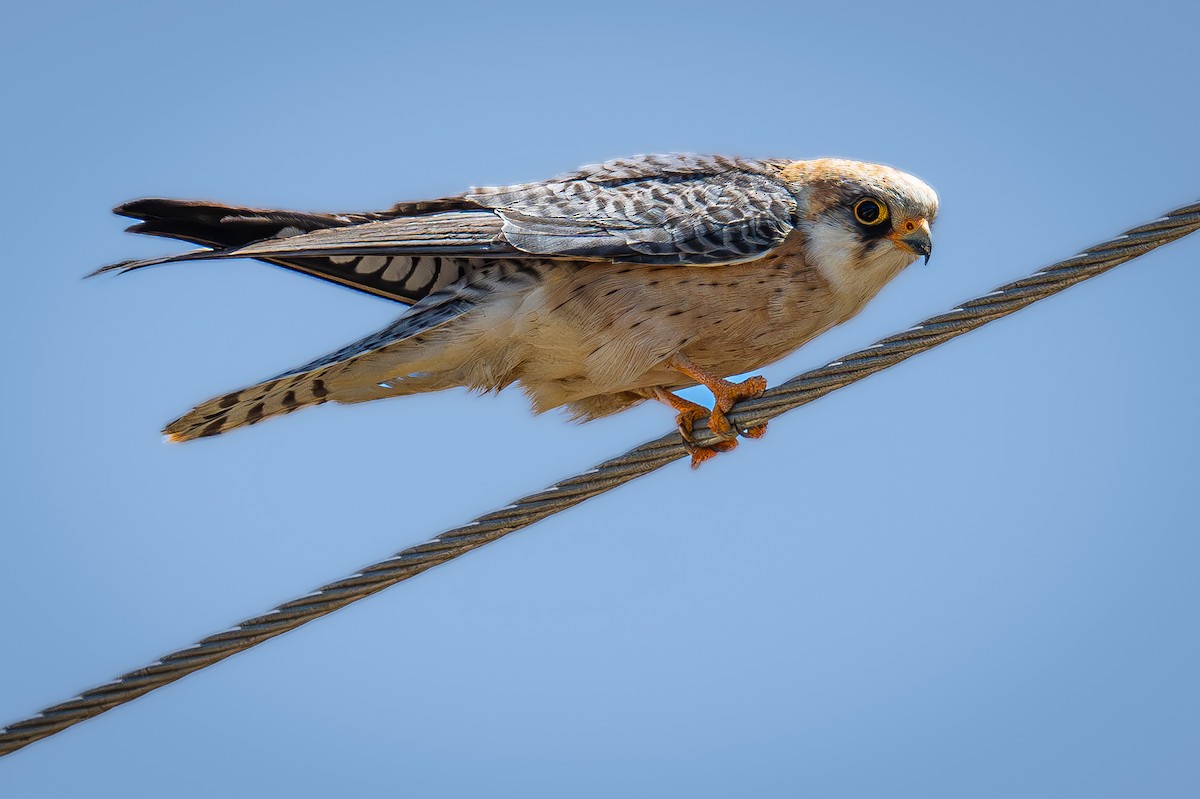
(228, 401)
(213, 428)
(289, 399)
(675, 313)
(611, 292)
(319, 390)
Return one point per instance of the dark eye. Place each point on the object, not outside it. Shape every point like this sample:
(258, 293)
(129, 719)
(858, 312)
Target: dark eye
(870, 211)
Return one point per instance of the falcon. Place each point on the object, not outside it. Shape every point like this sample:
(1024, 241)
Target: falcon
(596, 290)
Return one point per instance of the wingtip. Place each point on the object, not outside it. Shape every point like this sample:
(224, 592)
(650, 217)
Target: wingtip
(119, 267)
(145, 208)
(129, 209)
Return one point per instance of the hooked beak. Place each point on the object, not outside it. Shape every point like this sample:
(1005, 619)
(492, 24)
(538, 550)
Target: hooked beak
(913, 235)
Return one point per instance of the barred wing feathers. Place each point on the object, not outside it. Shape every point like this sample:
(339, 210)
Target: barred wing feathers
(693, 210)
(658, 209)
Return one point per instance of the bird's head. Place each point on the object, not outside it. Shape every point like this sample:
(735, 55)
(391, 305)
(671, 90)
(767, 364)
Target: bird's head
(863, 223)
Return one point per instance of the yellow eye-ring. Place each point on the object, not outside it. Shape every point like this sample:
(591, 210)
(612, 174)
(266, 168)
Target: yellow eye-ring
(870, 211)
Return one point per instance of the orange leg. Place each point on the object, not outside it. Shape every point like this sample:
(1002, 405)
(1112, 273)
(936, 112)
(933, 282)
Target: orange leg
(727, 394)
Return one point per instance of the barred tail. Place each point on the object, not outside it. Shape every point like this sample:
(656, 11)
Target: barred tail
(250, 406)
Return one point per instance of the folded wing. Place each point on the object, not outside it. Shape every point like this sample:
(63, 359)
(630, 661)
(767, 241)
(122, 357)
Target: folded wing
(657, 209)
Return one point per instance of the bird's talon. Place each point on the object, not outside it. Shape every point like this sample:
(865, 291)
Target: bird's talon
(701, 454)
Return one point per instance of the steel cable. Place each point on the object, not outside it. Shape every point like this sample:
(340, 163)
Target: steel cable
(642, 460)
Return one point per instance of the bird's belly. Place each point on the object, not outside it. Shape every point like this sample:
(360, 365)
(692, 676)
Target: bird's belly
(607, 328)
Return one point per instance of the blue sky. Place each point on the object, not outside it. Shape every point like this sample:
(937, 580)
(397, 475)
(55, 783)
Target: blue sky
(973, 574)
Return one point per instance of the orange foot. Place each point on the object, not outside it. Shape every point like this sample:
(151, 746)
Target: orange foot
(689, 414)
(726, 394)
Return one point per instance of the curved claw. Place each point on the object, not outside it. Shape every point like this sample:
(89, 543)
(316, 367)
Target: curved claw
(701, 454)
(757, 431)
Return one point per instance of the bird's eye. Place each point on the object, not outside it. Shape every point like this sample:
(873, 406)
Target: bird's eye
(870, 211)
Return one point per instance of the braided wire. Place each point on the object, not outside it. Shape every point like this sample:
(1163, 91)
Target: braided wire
(642, 460)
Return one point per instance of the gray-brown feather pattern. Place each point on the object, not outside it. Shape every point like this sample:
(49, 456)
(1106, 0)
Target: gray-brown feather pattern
(685, 209)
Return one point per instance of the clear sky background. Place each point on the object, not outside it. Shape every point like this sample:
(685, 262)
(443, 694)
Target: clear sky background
(972, 575)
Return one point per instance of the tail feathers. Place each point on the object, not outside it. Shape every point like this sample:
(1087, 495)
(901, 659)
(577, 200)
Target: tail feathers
(358, 372)
(250, 406)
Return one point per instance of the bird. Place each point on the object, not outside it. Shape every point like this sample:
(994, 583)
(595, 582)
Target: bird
(620, 282)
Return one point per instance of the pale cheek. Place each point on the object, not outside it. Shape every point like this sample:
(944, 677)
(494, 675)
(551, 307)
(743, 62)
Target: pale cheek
(832, 251)
(851, 268)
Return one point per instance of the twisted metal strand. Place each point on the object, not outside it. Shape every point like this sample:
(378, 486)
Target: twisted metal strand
(648, 457)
